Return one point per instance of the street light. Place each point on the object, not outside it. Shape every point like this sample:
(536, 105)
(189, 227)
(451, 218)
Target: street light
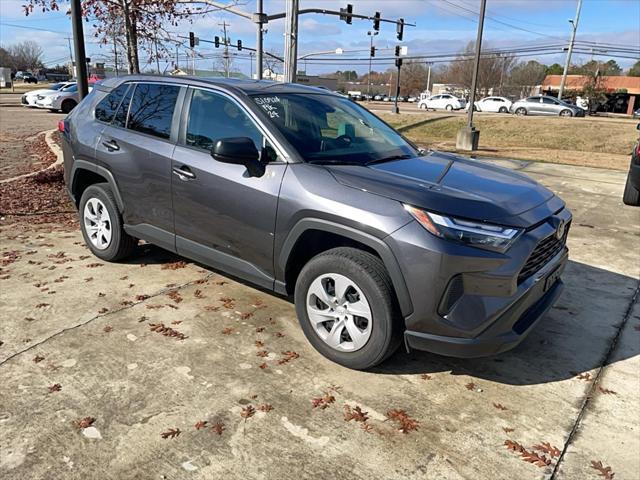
(337, 51)
(371, 35)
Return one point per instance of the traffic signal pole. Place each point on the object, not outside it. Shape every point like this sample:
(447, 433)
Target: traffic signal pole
(78, 44)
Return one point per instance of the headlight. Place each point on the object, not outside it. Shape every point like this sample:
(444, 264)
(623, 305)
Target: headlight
(475, 234)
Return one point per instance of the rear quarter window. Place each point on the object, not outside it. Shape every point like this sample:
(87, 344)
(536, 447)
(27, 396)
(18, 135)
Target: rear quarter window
(151, 110)
(108, 106)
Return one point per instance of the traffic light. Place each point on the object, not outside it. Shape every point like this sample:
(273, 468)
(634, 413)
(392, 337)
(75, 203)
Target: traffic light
(239, 45)
(216, 41)
(400, 29)
(345, 13)
(398, 62)
(373, 51)
(376, 21)
(192, 39)
(397, 50)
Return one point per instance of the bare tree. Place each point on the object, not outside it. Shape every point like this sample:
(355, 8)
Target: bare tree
(25, 55)
(524, 76)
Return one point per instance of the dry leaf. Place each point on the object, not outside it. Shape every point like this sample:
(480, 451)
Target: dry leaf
(499, 406)
(227, 331)
(508, 429)
(288, 356)
(248, 412)
(38, 359)
(547, 448)
(355, 413)
(86, 422)
(56, 387)
(403, 420)
(606, 391)
(218, 428)
(265, 407)
(200, 424)
(171, 433)
(604, 472)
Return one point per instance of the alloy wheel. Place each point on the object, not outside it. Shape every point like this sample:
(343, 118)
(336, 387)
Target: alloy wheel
(97, 223)
(339, 312)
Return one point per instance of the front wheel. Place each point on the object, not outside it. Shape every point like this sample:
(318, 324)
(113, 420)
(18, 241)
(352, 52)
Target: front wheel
(566, 113)
(422, 106)
(449, 108)
(631, 196)
(521, 111)
(347, 309)
(503, 110)
(101, 224)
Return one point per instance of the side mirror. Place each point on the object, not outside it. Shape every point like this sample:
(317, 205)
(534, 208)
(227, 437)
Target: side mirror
(239, 151)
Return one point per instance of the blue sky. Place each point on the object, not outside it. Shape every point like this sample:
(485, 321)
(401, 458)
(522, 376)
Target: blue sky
(442, 26)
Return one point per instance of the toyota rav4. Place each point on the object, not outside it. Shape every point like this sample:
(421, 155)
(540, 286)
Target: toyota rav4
(305, 193)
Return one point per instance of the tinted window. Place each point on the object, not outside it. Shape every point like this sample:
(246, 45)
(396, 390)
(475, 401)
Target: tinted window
(120, 119)
(550, 101)
(70, 88)
(151, 109)
(106, 109)
(213, 116)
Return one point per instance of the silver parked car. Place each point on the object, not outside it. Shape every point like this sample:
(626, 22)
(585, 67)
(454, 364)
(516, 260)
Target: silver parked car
(545, 105)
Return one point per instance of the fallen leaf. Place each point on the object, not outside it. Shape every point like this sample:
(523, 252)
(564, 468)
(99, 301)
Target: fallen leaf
(259, 343)
(508, 429)
(107, 328)
(218, 428)
(227, 330)
(248, 412)
(606, 391)
(499, 406)
(604, 472)
(547, 448)
(265, 407)
(200, 424)
(171, 433)
(263, 366)
(288, 356)
(323, 402)
(262, 353)
(56, 387)
(38, 359)
(425, 376)
(404, 422)
(355, 413)
(86, 422)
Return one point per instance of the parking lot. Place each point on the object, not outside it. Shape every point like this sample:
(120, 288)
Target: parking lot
(162, 368)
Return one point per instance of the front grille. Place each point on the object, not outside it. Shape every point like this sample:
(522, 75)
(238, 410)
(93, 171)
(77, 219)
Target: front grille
(548, 248)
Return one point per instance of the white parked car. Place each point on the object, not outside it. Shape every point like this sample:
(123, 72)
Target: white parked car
(29, 98)
(493, 104)
(443, 101)
(65, 99)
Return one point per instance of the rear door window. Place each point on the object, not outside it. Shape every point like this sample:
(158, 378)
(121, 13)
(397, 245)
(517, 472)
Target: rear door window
(152, 107)
(107, 107)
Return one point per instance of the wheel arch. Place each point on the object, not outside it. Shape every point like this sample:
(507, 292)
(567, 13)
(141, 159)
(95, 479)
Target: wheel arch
(311, 236)
(84, 174)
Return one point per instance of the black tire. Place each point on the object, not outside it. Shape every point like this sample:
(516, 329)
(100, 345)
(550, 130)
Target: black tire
(566, 113)
(631, 196)
(121, 245)
(370, 275)
(503, 110)
(521, 111)
(449, 108)
(68, 105)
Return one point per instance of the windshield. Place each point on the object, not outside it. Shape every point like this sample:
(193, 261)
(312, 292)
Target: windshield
(333, 129)
(70, 88)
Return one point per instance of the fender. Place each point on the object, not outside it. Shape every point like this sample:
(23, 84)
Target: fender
(378, 245)
(92, 167)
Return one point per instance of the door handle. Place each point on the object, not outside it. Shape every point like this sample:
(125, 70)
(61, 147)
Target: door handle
(184, 173)
(111, 145)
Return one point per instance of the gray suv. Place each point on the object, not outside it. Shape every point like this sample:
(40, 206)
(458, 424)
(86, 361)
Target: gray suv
(305, 193)
(545, 105)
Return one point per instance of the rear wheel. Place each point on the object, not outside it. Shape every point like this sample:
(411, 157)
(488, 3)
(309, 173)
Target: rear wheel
(101, 224)
(631, 196)
(423, 106)
(68, 105)
(347, 309)
(521, 111)
(566, 113)
(449, 108)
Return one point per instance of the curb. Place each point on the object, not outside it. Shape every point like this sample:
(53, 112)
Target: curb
(53, 146)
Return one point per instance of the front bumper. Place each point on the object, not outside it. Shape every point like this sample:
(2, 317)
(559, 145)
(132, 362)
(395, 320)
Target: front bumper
(469, 302)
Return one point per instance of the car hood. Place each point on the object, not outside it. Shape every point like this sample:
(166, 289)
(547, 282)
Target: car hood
(41, 91)
(456, 186)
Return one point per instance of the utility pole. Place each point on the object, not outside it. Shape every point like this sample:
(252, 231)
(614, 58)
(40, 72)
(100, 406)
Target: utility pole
(115, 53)
(177, 58)
(251, 63)
(225, 55)
(399, 65)
(291, 41)
(260, 20)
(468, 136)
(574, 28)
(429, 77)
(78, 42)
(371, 51)
(157, 58)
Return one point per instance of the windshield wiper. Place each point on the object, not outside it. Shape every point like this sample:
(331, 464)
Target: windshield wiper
(388, 159)
(329, 161)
